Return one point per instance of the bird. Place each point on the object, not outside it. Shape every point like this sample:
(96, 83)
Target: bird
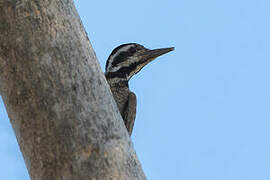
(124, 62)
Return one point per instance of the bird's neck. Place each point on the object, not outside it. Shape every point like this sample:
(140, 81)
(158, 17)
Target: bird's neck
(121, 83)
(117, 82)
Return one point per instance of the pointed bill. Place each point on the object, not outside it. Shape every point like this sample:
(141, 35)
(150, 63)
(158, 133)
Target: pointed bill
(152, 54)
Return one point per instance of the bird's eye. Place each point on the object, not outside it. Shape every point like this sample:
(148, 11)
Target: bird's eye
(132, 50)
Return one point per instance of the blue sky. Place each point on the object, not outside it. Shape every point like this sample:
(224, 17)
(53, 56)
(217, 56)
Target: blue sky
(203, 110)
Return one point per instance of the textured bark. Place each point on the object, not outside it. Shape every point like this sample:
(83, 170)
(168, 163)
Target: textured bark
(59, 104)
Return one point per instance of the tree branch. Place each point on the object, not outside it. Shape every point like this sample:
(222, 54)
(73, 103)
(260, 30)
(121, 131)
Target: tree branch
(59, 104)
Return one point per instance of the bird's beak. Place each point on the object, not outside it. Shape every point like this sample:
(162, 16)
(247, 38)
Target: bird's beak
(150, 55)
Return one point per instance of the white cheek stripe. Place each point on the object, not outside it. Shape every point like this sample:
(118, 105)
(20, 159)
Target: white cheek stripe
(124, 64)
(125, 48)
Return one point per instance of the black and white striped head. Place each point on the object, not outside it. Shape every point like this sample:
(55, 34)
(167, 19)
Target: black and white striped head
(128, 59)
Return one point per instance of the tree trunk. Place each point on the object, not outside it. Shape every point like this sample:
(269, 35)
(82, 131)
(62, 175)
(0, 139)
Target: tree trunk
(59, 104)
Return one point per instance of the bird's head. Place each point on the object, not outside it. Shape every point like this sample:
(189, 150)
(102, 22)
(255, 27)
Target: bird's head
(128, 59)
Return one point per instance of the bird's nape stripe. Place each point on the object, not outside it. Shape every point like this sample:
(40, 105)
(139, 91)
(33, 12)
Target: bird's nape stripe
(119, 47)
(122, 56)
(117, 50)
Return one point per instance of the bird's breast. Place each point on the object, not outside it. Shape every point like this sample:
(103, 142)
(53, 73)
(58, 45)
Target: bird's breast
(120, 95)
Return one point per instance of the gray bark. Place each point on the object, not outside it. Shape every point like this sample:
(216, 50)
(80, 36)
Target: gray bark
(59, 104)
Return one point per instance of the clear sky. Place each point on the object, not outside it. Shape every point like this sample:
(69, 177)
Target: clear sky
(204, 109)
